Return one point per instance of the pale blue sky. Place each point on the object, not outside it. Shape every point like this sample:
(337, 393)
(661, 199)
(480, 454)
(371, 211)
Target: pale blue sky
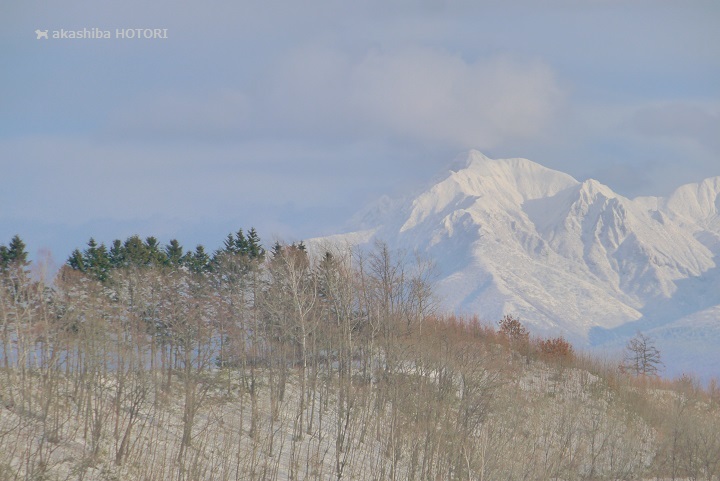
(290, 116)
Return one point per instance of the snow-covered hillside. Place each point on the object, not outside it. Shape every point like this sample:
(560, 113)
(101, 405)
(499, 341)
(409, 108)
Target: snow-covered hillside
(567, 257)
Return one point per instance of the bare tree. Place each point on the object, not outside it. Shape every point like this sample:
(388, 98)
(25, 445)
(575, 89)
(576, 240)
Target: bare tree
(513, 329)
(642, 358)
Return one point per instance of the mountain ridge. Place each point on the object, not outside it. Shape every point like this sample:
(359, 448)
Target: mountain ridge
(568, 257)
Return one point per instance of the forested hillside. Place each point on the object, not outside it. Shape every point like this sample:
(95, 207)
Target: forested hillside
(145, 362)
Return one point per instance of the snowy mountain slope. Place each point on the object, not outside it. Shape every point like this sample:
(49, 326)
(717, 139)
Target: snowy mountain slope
(568, 257)
(697, 203)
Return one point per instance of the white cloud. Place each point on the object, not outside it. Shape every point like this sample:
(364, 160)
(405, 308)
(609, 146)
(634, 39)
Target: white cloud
(431, 94)
(423, 95)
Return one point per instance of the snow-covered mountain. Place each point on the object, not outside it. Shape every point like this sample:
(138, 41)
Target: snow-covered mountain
(568, 257)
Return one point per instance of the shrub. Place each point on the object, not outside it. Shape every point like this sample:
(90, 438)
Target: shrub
(513, 329)
(556, 347)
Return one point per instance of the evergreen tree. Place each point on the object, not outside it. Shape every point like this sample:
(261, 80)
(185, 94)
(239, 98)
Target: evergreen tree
(277, 249)
(197, 261)
(174, 253)
(13, 257)
(75, 261)
(155, 256)
(117, 254)
(241, 243)
(90, 253)
(96, 260)
(254, 248)
(229, 246)
(101, 265)
(327, 273)
(13, 264)
(136, 252)
(16, 253)
(3, 257)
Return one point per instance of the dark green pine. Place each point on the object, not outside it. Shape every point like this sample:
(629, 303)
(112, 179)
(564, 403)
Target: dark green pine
(75, 261)
(229, 246)
(156, 257)
(174, 253)
(3, 257)
(277, 249)
(254, 247)
(117, 254)
(241, 243)
(16, 253)
(197, 261)
(96, 260)
(136, 252)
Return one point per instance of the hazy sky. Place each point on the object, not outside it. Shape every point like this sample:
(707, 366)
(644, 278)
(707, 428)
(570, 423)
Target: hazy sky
(292, 115)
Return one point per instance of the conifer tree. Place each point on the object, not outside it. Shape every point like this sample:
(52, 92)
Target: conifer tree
(13, 257)
(254, 248)
(14, 264)
(16, 253)
(327, 273)
(96, 260)
(101, 266)
(136, 252)
(75, 261)
(117, 254)
(3, 257)
(241, 243)
(174, 253)
(155, 256)
(233, 245)
(197, 261)
(228, 246)
(90, 254)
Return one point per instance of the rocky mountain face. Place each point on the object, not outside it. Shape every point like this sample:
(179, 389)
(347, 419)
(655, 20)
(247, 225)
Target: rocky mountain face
(510, 236)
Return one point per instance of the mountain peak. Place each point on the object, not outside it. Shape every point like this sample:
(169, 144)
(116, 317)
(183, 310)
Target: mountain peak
(488, 184)
(468, 159)
(699, 202)
(481, 164)
(568, 257)
(591, 188)
(522, 179)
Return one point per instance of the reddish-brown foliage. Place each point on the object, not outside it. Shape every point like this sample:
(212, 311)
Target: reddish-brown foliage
(513, 329)
(556, 347)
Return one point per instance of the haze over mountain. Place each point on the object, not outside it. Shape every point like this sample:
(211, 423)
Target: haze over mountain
(510, 236)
